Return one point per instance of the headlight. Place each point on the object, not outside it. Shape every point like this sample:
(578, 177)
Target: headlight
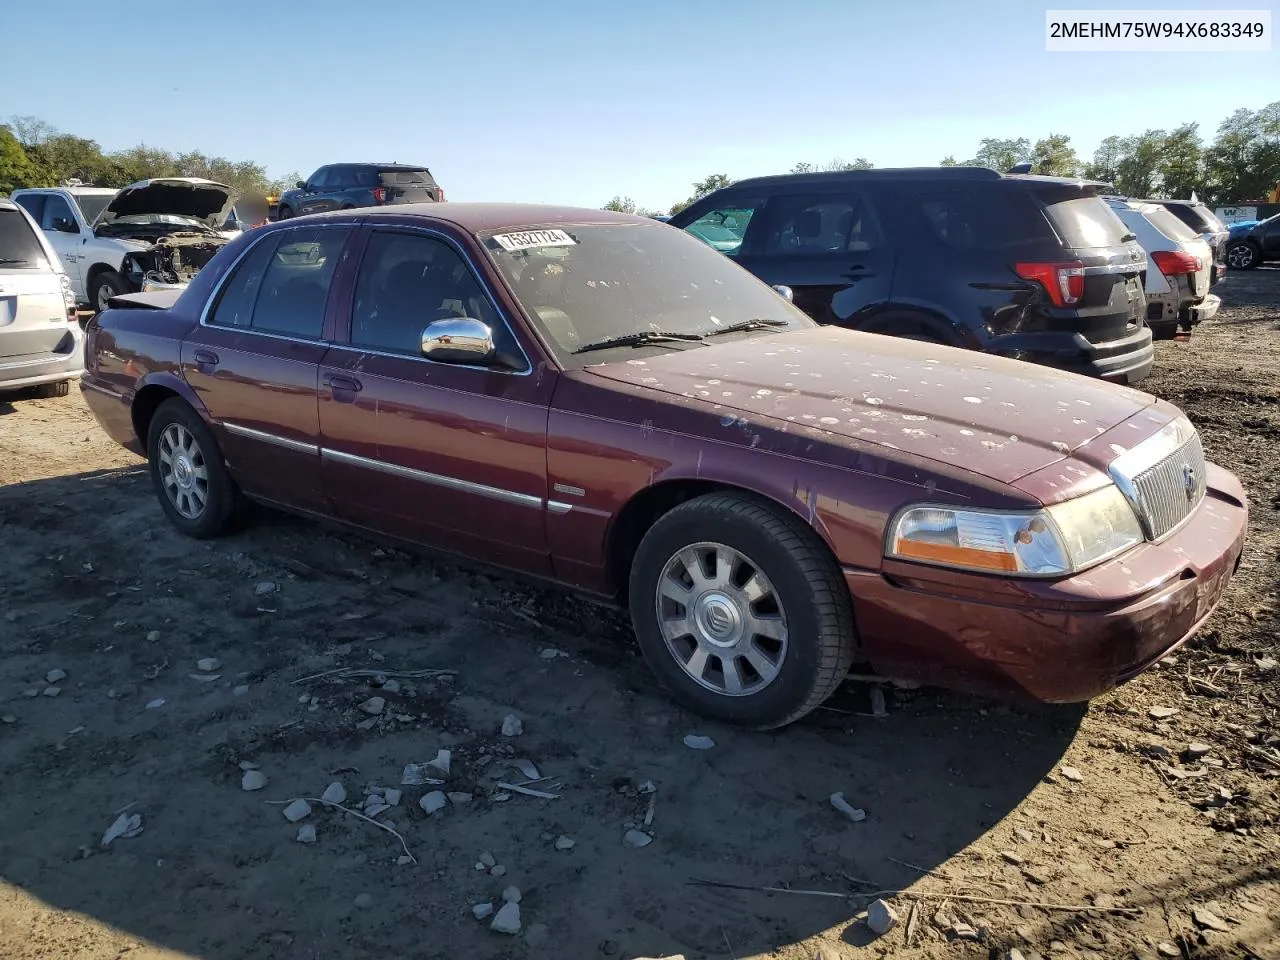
(1062, 539)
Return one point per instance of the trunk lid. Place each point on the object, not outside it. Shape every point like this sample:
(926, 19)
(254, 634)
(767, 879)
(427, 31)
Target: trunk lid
(992, 416)
(33, 310)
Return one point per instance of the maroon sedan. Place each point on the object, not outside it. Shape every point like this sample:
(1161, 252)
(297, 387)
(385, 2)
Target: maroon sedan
(604, 402)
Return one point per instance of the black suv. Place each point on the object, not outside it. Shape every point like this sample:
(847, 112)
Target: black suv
(1037, 268)
(342, 186)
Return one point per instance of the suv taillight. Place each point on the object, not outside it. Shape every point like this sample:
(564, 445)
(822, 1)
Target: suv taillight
(69, 298)
(1174, 262)
(379, 194)
(1063, 281)
(440, 193)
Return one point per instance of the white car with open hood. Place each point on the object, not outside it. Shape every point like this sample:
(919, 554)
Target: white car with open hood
(153, 234)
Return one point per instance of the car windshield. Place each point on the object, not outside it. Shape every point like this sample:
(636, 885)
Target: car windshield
(92, 204)
(654, 287)
(18, 244)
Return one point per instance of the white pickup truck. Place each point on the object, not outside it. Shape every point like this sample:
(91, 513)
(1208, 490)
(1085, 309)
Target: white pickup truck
(149, 235)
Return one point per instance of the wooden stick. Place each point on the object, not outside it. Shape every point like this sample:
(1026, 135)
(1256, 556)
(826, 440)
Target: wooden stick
(541, 794)
(1068, 907)
(400, 674)
(742, 886)
(354, 813)
(925, 871)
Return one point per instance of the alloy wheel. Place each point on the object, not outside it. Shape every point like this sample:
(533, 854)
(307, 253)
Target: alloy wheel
(183, 471)
(721, 618)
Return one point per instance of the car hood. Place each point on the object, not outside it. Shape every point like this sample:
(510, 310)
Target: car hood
(1235, 230)
(175, 196)
(992, 416)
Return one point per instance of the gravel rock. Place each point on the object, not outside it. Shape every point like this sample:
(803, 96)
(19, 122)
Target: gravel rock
(248, 765)
(1011, 857)
(565, 843)
(512, 726)
(335, 793)
(264, 588)
(391, 686)
(1195, 751)
(486, 860)
(695, 742)
(364, 901)
(843, 806)
(1168, 950)
(153, 636)
(156, 704)
(498, 870)
(8, 718)
(442, 763)
(209, 664)
(507, 920)
(482, 911)
(1072, 774)
(460, 798)
(241, 691)
(307, 833)
(55, 676)
(126, 825)
(298, 810)
(511, 895)
(636, 838)
(1163, 713)
(374, 706)
(1208, 920)
(51, 691)
(433, 802)
(881, 917)
(391, 797)
(253, 780)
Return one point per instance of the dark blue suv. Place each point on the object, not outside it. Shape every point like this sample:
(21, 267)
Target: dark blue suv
(1035, 268)
(344, 186)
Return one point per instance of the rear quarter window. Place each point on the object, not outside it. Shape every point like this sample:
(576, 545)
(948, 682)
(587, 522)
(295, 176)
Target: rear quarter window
(983, 219)
(1168, 224)
(1085, 221)
(19, 246)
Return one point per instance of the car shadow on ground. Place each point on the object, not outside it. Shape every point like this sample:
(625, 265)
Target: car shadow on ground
(96, 584)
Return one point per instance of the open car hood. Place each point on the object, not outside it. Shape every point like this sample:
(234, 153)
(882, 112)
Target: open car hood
(176, 196)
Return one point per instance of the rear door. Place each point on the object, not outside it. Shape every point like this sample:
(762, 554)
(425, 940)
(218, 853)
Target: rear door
(254, 361)
(1269, 231)
(829, 247)
(33, 314)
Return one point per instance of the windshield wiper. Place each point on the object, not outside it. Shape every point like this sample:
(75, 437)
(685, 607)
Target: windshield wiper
(758, 323)
(640, 339)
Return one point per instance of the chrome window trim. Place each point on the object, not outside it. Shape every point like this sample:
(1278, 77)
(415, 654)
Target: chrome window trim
(435, 479)
(433, 233)
(279, 441)
(216, 292)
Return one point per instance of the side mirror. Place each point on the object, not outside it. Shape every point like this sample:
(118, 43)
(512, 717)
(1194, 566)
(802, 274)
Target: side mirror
(458, 340)
(785, 292)
(301, 184)
(63, 225)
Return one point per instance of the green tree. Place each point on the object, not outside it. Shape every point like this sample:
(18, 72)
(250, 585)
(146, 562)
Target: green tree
(16, 170)
(1106, 159)
(948, 161)
(833, 166)
(1181, 166)
(701, 188)
(1244, 161)
(1055, 157)
(1138, 171)
(1001, 154)
(621, 205)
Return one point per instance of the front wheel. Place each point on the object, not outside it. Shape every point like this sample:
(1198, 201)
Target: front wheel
(741, 611)
(106, 285)
(188, 473)
(1243, 256)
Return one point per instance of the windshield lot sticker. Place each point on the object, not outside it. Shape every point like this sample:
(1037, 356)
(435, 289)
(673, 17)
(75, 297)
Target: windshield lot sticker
(527, 239)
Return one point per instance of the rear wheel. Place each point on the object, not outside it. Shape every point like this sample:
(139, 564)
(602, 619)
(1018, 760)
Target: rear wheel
(1243, 255)
(284, 213)
(741, 611)
(188, 473)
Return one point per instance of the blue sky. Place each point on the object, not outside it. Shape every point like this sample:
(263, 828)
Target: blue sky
(573, 102)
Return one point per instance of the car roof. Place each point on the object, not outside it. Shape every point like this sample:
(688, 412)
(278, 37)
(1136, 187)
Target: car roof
(480, 217)
(957, 173)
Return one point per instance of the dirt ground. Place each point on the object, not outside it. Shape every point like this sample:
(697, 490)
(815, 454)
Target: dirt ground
(1155, 851)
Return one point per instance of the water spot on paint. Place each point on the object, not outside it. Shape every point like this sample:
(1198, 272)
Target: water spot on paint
(727, 393)
(1117, 449)
(829, 420)
(914, 432)
(1084, 403)
(992, 445)
(914, 416)
(966, 433)
(874, 401)
(1077, 421)
(866, 430)
(764, 393)
(949, 451)
(972, 399)
(704, 393)
(637, 363)
(1013, 438)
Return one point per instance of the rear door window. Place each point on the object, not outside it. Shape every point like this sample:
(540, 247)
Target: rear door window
(1084, 221)
(819, 224)
(295, 287)
(19, 246)
(984, 219)
(1170, 225)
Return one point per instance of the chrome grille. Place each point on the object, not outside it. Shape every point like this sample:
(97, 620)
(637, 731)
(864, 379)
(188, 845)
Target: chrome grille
(1165, 493)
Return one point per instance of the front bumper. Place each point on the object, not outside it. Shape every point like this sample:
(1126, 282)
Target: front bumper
(1206, 309)
(1061, 641)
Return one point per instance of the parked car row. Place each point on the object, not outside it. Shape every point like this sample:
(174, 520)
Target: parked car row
(602, 401)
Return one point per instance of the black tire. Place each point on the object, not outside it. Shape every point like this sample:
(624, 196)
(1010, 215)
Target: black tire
(284, 212)
(909, 326)
(1243, 255)
(52, 390)
(106, 285)
(223, 503)
(815, 607)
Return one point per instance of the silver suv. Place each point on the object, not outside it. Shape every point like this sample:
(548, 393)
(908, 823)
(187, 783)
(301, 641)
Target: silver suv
(41, 343)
